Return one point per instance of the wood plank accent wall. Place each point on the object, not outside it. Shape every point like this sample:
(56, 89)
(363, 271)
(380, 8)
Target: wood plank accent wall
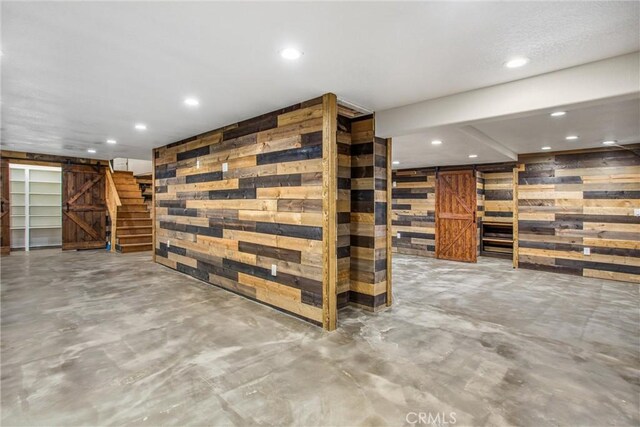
(368, 218)
(498, 197)
(228, 227)
(567, 202)
(413, 210)
(344, 210)
(305, 189)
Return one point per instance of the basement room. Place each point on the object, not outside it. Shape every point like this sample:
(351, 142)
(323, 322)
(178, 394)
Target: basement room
(250, 213)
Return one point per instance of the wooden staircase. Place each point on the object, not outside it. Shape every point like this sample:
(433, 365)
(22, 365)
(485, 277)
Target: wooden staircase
(133, 223)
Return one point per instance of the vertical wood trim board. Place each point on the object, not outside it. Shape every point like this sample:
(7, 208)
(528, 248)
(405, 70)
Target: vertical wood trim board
(571, 201)
(389, 248)
(329, 212)
(514, 213)
(154, 156)
(233, 202)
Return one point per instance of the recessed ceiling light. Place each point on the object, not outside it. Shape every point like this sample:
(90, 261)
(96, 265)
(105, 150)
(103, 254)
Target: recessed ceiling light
(141, 126)
(436, 142)
(192, 102)
(610, 142)
(473, 156)
(571, 137)
(395, 162)
(111, 141)
(546, 148)
(558, 113)
(290, 53)
(516, 62)
(91, 150)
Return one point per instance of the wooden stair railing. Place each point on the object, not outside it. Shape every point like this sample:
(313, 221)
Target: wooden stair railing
(113, 203)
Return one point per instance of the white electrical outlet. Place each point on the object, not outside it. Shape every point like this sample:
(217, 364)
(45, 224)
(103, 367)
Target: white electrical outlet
(168, 243)
(197, 164)
(587, 251)
(225, 167)
(395, 184)
(398, 235)
(274, 269)
(636, 212)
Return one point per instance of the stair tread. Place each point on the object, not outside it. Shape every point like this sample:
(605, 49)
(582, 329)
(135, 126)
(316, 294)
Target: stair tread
(134, 235)
(133, 244)
(133, 226)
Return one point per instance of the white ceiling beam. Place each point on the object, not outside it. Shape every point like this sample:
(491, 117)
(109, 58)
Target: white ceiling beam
(613, 77)
(485, 139)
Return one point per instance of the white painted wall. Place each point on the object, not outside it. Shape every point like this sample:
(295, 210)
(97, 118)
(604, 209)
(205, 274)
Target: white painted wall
(138, 167)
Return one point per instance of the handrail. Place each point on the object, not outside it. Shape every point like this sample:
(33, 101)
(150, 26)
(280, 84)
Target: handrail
(111, 186)
(113, 201)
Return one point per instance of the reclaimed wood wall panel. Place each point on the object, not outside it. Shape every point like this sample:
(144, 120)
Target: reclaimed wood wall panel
(368, 286)
(498, 197)
(568, 202)
(414, 208)
(229, 226)
(344, 210)
(413, 211)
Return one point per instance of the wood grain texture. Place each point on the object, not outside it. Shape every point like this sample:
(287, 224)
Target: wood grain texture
(369, 210)
(456, 222)
(567, 202)
(84, 208)
(329, 114)
(273, 206)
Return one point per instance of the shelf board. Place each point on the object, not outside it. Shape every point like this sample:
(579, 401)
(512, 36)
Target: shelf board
(496, 239)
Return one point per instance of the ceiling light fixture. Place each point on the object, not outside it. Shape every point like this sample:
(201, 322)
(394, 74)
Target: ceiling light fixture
(571, 137)
(516, 62)
(609, 142)
(558, 113)
(191, 102)
(436, 142)
(473, 156)
(546, 148)
(141, 126)
(290, 53)
(395, 162)
(91, 150)
(111, 141)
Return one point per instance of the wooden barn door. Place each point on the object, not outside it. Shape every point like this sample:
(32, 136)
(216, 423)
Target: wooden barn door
(456, 234)
(5, 209)
(84, 208)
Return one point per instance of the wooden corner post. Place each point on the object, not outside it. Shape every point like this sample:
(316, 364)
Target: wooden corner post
(389, 236)
(329, 196)
(153, 205)
(516, 248)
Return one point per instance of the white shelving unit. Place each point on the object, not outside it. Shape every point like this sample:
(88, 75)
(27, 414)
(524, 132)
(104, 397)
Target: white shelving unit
(36, 206)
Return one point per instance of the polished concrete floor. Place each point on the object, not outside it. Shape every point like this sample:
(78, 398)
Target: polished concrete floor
(91, 338)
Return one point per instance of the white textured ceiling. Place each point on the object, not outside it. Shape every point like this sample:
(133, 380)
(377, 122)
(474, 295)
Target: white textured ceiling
(76, 73)
(614, 119)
